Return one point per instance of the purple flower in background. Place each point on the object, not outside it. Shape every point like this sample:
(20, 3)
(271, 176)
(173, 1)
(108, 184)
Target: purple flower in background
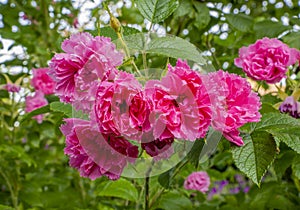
(24, 140)
(13, 88)
(234, 190)
(211, 193)
(222, 184)
(197, 181)
(291, 106)
(240, 179)
(219, 186)
(246, 189)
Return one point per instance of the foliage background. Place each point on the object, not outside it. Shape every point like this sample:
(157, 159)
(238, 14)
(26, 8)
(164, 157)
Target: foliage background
(34, 172)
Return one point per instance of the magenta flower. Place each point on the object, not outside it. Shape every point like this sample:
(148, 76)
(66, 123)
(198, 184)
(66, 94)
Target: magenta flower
(94, 154)
(80, 49)
(199, 181)
(196, 86)
(13, 88)
(267, 59)
(35, 102)
(42, 81)
(233, 104)
(86, 82)
(121, 107)
(291, 106)
(181, 103)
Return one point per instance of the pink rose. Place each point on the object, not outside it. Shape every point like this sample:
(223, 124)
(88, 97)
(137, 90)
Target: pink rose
(195, 84)
(87, 81)
(177, 104)
(42, 81)
(94, 154)
(199, 181)
(13, 88)
(82, 50)
(121, 107)
(267, 60)
(233, 104)
(35, 102)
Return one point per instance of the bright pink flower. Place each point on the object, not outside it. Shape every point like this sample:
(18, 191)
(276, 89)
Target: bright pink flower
(13, 88)
(177, 104)
(195, 84)
(121, 107)
(267, 59)
(35, 102)
(42, 81)
(233, 104)
(82, 49)
(199, 181)
(94, 154)
(86, 82)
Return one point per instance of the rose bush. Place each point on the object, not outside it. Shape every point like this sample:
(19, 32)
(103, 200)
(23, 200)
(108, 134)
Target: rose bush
(132, 115)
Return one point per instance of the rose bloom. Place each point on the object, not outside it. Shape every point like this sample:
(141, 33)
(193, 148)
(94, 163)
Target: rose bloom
(121, 107)
(194, 81)
(233, 104)
(79, 50)
(42, 81)
(13, 88)
(199, 181)
(93, 154)
(35, 102)
(177, 104)
(267, 59)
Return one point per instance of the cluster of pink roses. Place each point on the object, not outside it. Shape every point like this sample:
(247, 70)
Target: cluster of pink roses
(123, 113)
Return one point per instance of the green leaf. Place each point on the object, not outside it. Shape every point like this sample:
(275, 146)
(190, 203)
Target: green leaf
(121, 188)
(296, 166)
(255, 157)
(110, 32)
(2, 207)
(240, 22)
(165, 179)
(184, 8)
(4, 94)
(156, 10)
(267, 108)
(16, 152)
(42, 110)
(290, 139)
(175, 47)
(170, 46)
(293, 40)
(202, 16)
(174, 201)
(283, 162)
(67, 109)
(275, 121)
(269, 28)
